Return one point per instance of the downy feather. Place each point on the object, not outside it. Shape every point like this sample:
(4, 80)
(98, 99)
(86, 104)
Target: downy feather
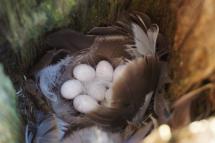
(49, 76)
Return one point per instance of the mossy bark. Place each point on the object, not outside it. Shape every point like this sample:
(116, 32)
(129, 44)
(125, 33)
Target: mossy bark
(10, 125)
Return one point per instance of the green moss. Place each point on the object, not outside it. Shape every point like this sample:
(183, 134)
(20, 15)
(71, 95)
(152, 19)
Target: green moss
(26, 20)
(9, 117)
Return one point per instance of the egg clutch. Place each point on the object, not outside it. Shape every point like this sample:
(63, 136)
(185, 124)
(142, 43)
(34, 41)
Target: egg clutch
(91, 87)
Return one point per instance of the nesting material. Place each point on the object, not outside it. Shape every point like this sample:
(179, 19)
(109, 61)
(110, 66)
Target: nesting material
(71, 89)
(104, 71)
(84, 72)
(85, 104)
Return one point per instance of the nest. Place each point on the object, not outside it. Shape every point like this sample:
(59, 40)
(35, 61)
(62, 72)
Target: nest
(187, 96)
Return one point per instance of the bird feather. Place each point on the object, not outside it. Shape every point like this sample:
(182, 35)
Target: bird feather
(50, 130)
(145, 42)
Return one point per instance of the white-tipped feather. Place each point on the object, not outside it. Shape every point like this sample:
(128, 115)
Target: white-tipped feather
(145, 42)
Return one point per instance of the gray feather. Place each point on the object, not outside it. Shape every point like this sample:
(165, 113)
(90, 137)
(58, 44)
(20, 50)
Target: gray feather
(145, 42)
(50, 130)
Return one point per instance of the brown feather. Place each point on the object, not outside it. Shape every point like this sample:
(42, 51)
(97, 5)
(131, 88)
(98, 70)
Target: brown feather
(102, 31)
(140, 134)
(69, 39)
(32, 91)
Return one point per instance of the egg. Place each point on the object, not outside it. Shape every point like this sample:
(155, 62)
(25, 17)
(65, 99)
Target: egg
(84, 72)
(97, 89)
(104, 71)
(85, 104)
(118, 71)
(71, 88)
(108, 98)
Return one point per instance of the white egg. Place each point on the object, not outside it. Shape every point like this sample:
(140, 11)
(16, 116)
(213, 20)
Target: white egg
(108, 98)
(118, 71)
(85, 104)
(96, 89)
(71, 88)
(84, 72)
(104, 71)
